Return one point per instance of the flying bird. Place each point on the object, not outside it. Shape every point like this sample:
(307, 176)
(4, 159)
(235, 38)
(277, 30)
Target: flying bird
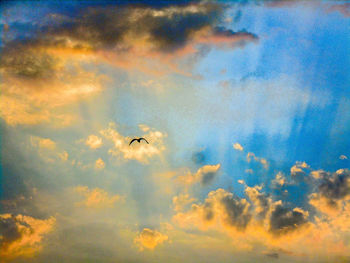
(138, 140)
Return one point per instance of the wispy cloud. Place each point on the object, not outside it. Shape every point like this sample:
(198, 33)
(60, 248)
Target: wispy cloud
(97, 197)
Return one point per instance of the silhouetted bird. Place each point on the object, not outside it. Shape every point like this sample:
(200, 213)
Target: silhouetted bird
(138, 140)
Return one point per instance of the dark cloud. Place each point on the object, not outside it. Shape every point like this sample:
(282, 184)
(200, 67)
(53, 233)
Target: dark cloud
(8, 231)
(167, 28)
(237, 211)
(221, 31)
(208, 211)
(344, 9)
(207, 178)
(27, 64)
(164, 29)
(336, 186)
(283, 220)
(207, 173)
(100, 27)
(272, 255)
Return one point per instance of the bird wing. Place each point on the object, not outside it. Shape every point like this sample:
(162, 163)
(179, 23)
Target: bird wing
(144, 140)
(132, 141)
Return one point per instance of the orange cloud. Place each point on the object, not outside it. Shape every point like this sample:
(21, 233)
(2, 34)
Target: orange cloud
(149, 239)
(22, 235)
(298, 168)
(204, 175)
(99, 164)
(43, 143)
(237, 146)
(181, 201)
(261, 222)
(93, 142)
(279, 181)
(41, 100)
(263, 161)
(97, 197)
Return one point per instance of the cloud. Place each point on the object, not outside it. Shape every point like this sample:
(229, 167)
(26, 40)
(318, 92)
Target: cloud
(45, 74)
(220, 206)
(333, 192)
(141, 28)
(343, 157)
(263, 161)
(279, 181)
(64, 156)
(43, 143)
(21, 236)
(141, 152)
(47, 149)
(298, 168)
(237, 146)
(44, 100)
(181, 201)
(283, 220)
(241, 182)
(271, 254)
(97, 197)
(344, 9)
(149, 239)
(318, 174)
(99, 164)
(260, 220)
(28, 64)
(93, 141)
(260, 201)
(204, 175)
(128, 36)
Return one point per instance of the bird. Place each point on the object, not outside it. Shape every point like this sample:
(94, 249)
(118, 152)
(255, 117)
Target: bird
(138, 140)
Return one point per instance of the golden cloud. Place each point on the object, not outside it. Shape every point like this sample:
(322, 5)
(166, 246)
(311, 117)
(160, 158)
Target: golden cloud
(262, 222)
(141, 152)
(279, 181)
(237, 146)
(44, 100)
(181, 201)
(97, 197)
(47, 149)
(22, 236)
(43, 143)
(298, 168)
(149, 239)
(99, 164)
(93, 141)
(204, 175)
(263, 161)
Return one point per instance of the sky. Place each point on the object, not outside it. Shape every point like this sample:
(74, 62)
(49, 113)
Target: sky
(245, 105)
